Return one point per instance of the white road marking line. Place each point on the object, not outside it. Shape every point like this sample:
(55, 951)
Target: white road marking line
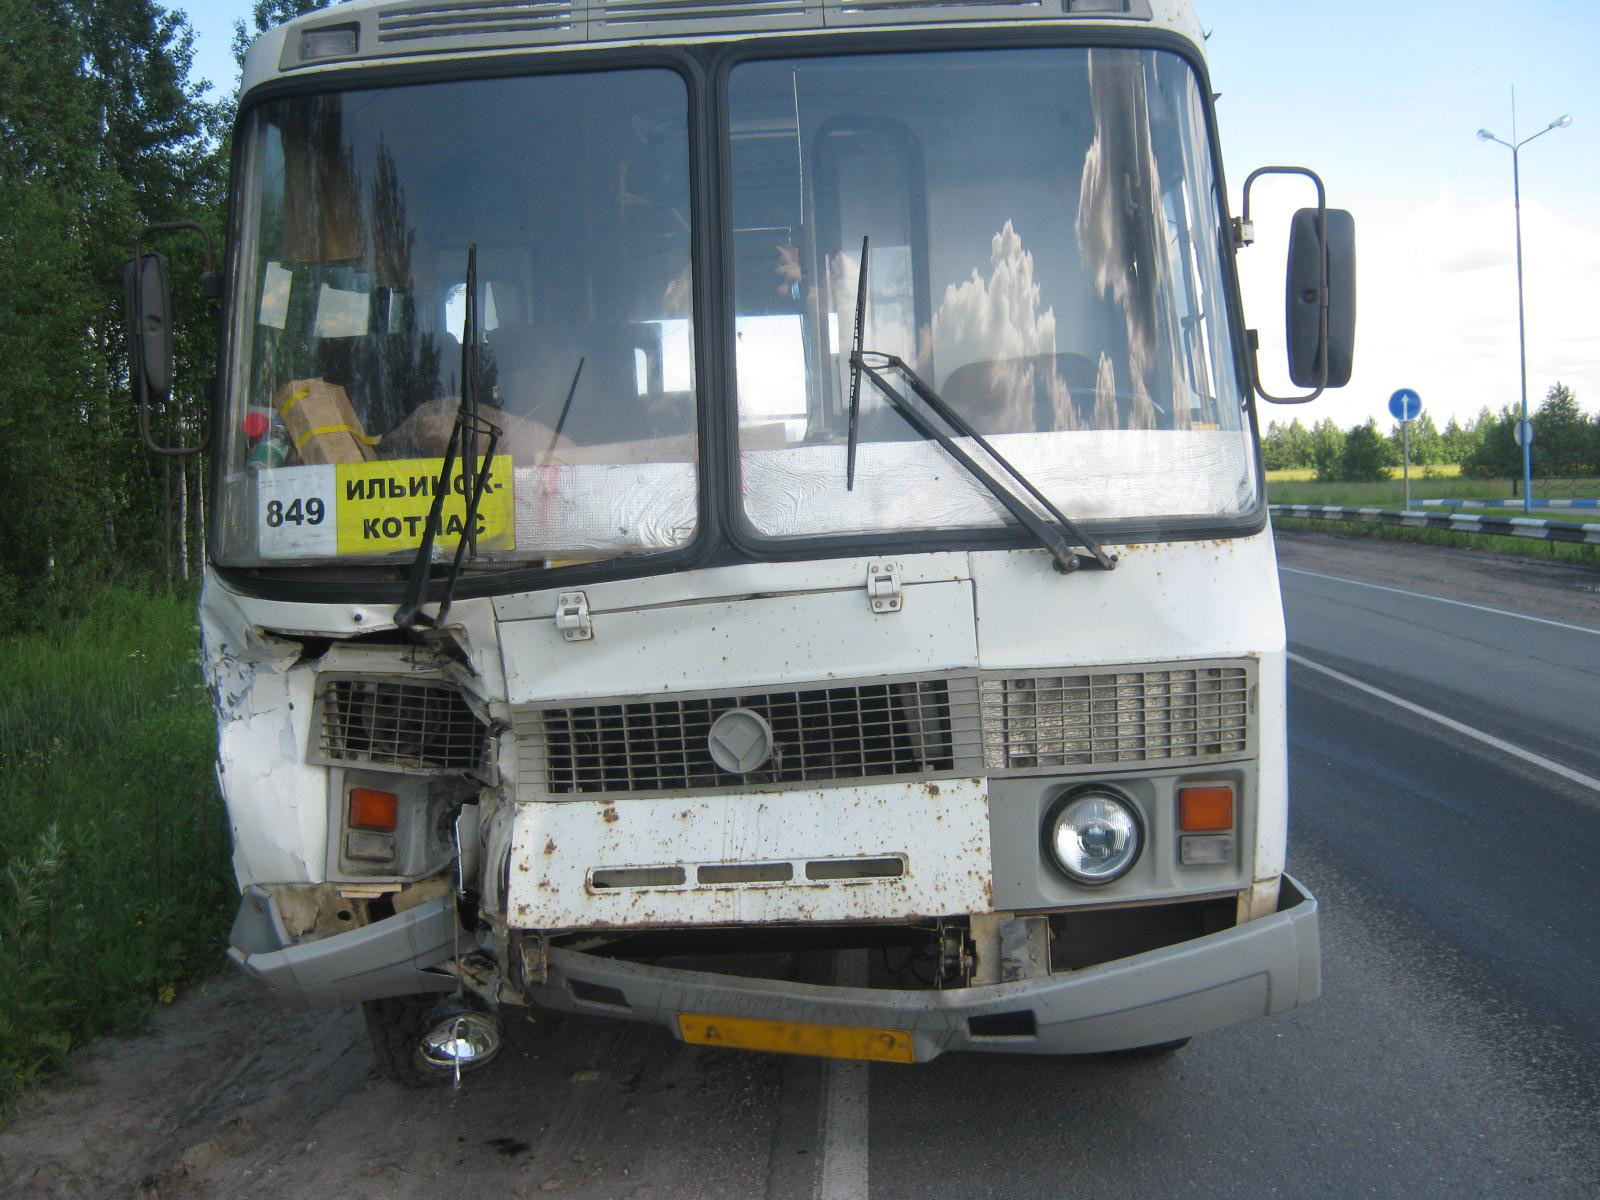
(1488, 739)
(842, 1173)
(1502, 612)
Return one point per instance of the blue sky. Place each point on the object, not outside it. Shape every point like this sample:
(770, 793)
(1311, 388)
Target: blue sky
(1383, 100)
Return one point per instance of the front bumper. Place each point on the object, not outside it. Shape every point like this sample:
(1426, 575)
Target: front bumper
(1267, 966)
(390, 957)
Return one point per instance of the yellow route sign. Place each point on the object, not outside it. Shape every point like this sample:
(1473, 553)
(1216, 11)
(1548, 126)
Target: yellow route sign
(382, 507)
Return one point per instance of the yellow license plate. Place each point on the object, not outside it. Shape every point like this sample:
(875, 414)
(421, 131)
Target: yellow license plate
(797, 1037)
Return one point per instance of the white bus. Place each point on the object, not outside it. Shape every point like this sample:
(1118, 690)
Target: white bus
(706, 489)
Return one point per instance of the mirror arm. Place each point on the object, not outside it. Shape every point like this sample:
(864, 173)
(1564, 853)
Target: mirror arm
(1323, 302)
(138, 323)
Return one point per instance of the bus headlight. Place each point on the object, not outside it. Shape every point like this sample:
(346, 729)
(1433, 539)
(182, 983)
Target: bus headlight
(1093, 834)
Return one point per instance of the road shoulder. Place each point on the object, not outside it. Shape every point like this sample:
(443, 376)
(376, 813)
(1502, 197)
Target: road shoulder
(1556, 591)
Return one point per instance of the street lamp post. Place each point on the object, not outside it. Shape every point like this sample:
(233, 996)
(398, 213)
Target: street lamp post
(1524, 430)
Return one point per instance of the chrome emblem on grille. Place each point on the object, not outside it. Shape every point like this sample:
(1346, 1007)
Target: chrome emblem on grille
(740, 741)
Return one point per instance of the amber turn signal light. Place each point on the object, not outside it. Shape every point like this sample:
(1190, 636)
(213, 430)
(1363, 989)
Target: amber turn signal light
(371, 809)
(1205, 809)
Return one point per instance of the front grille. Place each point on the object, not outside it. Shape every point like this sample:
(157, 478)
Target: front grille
(390, 723)
(866, 731)
(959, 723)
(1035, 722)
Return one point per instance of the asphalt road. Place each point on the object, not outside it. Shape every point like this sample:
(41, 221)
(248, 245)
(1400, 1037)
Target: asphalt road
(1445, 782)
(1456, 1049)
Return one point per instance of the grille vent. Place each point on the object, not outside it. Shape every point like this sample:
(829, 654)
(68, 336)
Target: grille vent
(963, 723)
(867, 731)
(544, 19)
(1036, 722)
(624, 12)
(447, 26)
(879, 6)
(404, 726)
(890, 12)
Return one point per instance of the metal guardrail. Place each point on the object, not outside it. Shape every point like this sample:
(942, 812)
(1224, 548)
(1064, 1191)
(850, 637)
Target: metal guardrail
(1535, 503)
(1526, 527)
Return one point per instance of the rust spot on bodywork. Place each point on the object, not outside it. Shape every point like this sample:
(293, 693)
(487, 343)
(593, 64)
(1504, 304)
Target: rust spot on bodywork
(550, 846)
(933, 788)
(609, 816)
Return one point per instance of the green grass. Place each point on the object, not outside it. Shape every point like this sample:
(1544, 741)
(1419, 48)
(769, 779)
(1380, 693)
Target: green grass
(1387, 493)
(1298, 487)
(115, 886)
(1307, 474)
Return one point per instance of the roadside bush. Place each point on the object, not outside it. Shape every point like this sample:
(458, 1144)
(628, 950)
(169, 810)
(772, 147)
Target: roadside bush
(1563, 438)
(1286, 447)
(1496, 453)
(1327, 450)
(115, 888)
(1367, 454)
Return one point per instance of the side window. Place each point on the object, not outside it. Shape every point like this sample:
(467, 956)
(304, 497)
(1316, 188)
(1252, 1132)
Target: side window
(455, 308)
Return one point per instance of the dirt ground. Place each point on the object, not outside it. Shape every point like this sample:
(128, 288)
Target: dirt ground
(224, 1097)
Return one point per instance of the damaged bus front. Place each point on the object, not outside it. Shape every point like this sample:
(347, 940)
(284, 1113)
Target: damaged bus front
(703, 499)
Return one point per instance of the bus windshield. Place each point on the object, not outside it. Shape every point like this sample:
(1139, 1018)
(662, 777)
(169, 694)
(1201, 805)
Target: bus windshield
(1045, 250)
(358, 208)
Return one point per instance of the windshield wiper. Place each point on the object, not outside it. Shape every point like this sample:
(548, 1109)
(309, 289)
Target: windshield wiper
(1065, 559)
(572, 390)
(855, 371)
(464, 433)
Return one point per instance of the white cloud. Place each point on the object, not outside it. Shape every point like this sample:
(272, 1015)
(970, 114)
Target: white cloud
(999, 321)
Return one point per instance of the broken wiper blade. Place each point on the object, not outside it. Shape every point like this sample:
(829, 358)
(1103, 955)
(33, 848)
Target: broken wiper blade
(855, 371)
(1066, 560)
(464, 434)
(410, 613)
(572, 390)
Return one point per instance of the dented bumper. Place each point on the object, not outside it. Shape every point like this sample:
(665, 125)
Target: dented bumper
(1267, 966)
(390, 957)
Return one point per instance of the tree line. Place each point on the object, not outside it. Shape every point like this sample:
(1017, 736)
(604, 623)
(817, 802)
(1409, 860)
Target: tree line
(103, 131)
(1566, 444)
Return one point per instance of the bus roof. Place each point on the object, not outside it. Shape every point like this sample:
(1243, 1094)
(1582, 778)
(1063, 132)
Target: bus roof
(370, 32)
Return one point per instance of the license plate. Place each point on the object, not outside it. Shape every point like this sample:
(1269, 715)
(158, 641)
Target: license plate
(797, 1037)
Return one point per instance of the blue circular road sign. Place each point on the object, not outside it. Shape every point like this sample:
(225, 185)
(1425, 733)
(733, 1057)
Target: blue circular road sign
(1405, 404)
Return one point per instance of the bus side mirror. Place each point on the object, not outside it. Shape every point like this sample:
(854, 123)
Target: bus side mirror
(1303, 298)
(148, 314)
(1319, 294)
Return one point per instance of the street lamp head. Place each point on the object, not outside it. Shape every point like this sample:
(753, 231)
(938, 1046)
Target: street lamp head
(1485, 136)
(1561, 122)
